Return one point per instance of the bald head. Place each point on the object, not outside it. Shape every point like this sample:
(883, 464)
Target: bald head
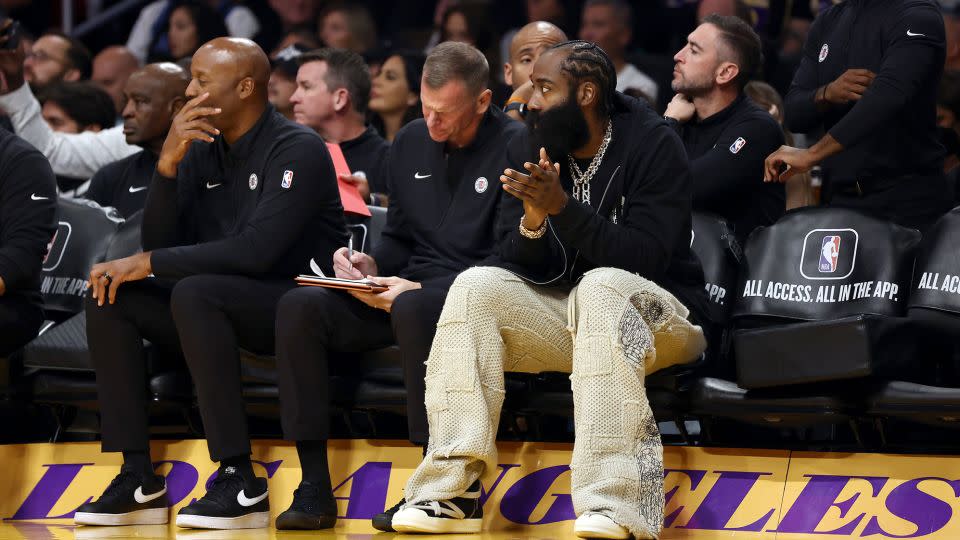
(244, 58)
(525, 49)
(171, 79)
(111, 69)
(154, 95)
(234, 72)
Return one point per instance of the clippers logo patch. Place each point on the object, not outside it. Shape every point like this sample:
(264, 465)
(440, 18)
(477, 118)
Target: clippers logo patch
(737, 145)
(481, 184)
(57, 246)
(824, 51)
(253, 181)
(287, 179)
(829, 254)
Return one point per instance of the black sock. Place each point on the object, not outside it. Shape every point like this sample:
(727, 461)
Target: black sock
(140, 463)
(313, 464)
(245, 469)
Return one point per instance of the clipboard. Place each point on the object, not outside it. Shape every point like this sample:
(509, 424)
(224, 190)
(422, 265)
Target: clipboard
(359, 285)
(350, 197)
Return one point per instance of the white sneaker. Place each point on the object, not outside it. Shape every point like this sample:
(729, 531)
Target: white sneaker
(461, 514)
(594, 525)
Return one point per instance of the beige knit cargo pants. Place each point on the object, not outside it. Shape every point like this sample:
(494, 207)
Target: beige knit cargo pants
(608, 332)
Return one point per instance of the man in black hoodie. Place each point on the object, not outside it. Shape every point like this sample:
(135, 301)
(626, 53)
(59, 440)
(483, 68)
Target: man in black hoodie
(28, 206)
(576, 291)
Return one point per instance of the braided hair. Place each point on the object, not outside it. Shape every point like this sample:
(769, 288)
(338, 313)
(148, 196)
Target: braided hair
(587, 61)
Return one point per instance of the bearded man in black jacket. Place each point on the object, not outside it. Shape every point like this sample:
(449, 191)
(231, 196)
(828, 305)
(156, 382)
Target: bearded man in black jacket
(594, 278)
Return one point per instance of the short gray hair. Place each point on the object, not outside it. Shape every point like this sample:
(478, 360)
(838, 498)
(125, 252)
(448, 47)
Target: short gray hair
(451, 61)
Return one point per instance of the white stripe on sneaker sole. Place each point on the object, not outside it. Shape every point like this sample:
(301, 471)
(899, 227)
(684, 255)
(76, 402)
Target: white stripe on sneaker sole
(150, 516)
(255, 520)
(413, 520)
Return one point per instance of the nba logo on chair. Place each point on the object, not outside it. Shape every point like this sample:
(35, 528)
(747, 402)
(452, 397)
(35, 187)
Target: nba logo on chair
(829, 253)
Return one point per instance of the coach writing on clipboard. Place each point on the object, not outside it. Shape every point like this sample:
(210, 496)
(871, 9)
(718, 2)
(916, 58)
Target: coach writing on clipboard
(442, 172)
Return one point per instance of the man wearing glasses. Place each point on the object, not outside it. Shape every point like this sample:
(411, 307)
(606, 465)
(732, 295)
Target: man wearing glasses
(56, 58)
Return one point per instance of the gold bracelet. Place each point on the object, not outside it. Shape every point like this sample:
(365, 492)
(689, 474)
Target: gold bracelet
(535, 234)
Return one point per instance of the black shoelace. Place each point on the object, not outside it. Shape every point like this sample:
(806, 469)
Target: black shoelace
(122, 484)
(306, 498)
(223, 489)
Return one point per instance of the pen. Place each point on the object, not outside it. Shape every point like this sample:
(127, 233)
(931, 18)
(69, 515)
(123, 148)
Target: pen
(350, 247)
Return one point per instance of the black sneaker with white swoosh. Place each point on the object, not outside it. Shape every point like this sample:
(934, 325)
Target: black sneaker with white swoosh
(227, 505)
(127, 501)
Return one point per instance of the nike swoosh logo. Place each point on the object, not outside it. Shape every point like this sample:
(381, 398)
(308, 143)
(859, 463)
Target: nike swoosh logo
(134, 190)
(419, 176)
(211, 186)
(35, 197)
(911, 34)
(244, 501)
(141, 498)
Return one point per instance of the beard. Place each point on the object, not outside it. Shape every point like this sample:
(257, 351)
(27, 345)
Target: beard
(691, 87)
(560, 129)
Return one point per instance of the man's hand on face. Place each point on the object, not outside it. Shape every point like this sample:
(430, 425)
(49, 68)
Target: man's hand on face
(11, 62)
(680, 109)
(395, 286)
(106, 277)
(189, 125)
(541, 191)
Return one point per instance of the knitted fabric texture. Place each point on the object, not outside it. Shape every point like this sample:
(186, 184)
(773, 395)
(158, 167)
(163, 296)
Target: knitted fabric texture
(609, 331)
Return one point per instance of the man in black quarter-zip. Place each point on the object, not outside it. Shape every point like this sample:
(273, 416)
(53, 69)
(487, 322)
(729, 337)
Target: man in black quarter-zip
(580, 286)
(441, 173)
(240, 202)
(869, 77)
(726, 135)
(28, 210)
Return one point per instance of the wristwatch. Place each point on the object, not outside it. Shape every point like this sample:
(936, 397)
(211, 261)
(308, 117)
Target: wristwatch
(518, 106)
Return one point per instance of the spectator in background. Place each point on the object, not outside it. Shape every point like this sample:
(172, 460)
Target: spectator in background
(727, 137)
(466, 24)
(797, 189)
(395, 94)
(283, 79)
(56, 57)
(951, 23)
(333, 90)
(148, 38)
(300, 36)
(111, 69)
(609, 24)
(74, 156)
(296, 13)
(551, 11)
(154, 95)
(74, 107)
(525, 49)
(190, 24)
(726, 8)
(347, 26)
